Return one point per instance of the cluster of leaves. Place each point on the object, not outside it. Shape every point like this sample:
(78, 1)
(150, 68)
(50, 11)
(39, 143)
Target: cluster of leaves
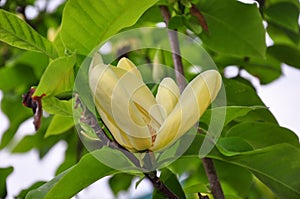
(254, 157)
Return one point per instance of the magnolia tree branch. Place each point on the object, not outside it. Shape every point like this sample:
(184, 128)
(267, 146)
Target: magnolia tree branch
(89, 119)
(173, 38)
(174, 43)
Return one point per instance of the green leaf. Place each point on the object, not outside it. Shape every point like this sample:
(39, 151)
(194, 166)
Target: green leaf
(52, 105)
(230, 146)
(260, 135)
(227, 32)
(120, 182)
(36, 60)
(232, 112)
(284, 14)
(24, 192)
(14, 31)
(71, 154)
(235, 180)
(12, 107)
(285, 53)
(58, 77)
(16, 78)
(59, 124)
(37, 140)
(85, 26)
(4, 173)
(171, 181)
(193, 23)
(176, 22)
(260, 190)
(241, 94)
(276, 166)
(266, 70)
(88, 170)
(282, 36)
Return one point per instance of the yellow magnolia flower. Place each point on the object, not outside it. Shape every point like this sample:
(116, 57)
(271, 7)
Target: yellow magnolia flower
(139, 121)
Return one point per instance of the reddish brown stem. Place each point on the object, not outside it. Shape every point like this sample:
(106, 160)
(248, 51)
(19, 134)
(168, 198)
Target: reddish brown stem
(196, 12)
(173, 38)
(211, 173)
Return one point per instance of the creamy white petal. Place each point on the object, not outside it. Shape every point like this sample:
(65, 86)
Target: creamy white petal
(127, 65)
(130, 143)
(141, 97)
(167, 94)
(194, 100)
(104, 81)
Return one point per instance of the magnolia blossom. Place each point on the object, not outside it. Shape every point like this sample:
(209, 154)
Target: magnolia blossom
(137, 119)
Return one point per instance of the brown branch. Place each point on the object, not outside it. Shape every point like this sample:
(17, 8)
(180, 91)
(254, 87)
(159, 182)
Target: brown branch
(207, 162)
(196, 12)
(89, 119)
(173, 38)
(158, 184)
(211, 173)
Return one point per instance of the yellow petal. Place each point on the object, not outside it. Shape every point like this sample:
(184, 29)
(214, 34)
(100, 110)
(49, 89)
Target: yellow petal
(127, 65)
(139, 103)
(194, 100)
(167, 94)
(111, 95)
(125, 140)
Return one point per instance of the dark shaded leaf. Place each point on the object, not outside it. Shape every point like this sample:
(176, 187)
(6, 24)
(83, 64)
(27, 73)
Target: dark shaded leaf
(120, 182)
(286, 54)
(226, 34)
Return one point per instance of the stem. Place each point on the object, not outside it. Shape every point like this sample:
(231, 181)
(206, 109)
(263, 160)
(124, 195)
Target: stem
(207, 162)
(89, 119)
(211, 173)
(196, 12)
(173, 38)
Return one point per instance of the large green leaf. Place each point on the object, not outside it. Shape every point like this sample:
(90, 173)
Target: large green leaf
(58, 77)
(265, 69)
(230, 146)
(241, 94)
(232, 112)
(284, 14)
(263, 134)
(18, 33)
(73, 180)
(86, 24)
(228, 32)
(286, 53)
(277, 166)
